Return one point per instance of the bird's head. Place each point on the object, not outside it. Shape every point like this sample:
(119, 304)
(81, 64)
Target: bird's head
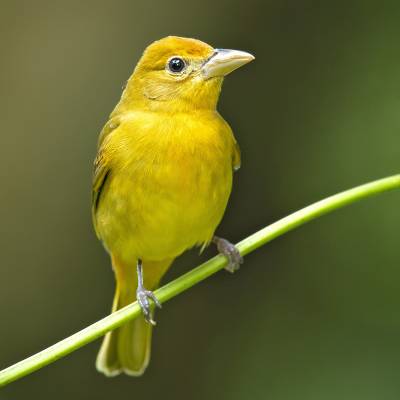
(180, 73)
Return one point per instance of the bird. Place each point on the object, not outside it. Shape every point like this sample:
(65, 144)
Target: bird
(162, 179)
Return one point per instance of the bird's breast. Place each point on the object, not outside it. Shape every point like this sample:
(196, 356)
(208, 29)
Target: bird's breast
(168, 190)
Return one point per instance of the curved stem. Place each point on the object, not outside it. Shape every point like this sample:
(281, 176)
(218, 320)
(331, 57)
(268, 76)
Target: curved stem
(196, 275)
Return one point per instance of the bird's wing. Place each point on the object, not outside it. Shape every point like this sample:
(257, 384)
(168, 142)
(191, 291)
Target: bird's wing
(112, 124)
(102, 169)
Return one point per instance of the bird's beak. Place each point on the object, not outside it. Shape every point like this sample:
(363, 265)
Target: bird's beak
(224, 61)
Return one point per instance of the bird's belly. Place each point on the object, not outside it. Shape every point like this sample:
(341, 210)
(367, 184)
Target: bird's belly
(158, 212)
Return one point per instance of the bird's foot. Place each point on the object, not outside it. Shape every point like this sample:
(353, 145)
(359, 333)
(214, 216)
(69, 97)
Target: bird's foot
(230, 251)
(143, 296)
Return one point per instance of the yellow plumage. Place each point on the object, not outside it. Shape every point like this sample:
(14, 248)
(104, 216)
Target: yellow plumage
(163, 176)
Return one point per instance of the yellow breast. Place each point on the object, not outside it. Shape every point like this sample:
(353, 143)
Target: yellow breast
(168, 186)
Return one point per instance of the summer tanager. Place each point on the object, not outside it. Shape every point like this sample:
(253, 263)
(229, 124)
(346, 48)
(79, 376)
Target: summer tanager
(163, 176)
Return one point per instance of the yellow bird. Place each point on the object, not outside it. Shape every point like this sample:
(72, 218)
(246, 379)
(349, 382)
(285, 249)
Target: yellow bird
(162, 179)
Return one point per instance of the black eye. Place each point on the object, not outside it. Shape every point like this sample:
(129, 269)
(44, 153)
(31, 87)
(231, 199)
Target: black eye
(176, 64)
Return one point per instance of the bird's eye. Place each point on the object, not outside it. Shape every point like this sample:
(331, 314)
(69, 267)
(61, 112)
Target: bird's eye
(176, 65)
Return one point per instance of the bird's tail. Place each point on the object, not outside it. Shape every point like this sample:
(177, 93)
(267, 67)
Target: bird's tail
(127, 349)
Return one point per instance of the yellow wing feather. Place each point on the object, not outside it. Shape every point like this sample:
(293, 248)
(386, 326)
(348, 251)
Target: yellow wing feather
(101, 168)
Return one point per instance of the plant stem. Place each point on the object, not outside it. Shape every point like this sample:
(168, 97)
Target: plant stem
(196, 275)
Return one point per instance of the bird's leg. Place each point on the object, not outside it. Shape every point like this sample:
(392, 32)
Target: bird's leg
(143, 295)
(230, 251)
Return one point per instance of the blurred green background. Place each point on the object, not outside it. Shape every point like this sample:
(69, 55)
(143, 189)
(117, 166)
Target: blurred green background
(313, 315)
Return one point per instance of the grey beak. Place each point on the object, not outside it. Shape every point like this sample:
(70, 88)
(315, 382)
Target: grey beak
(224, 61)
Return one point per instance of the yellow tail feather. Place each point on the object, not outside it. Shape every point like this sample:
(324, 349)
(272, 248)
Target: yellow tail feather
(127, 349)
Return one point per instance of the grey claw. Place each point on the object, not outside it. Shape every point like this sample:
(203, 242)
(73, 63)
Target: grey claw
(152, 296)
(230, 251)
(143, 297)
(235, 260)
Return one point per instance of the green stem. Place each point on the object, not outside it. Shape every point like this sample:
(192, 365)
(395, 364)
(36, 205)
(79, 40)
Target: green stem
(198, 274)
